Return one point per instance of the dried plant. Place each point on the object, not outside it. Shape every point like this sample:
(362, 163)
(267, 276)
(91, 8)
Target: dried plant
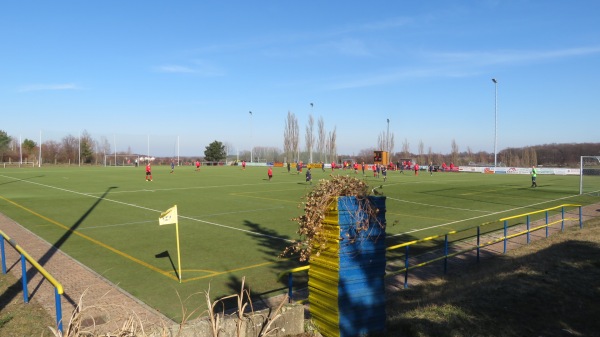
(311, 224)
(243, 300)
(82, 322)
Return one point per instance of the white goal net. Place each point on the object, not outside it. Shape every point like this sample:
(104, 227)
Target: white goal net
(589, 181)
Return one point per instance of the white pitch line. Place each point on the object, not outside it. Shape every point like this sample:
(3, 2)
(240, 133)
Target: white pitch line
(239, 212)
(481, 216)
(438, 206)
(186, 188)
(117, 225)
(149, 209)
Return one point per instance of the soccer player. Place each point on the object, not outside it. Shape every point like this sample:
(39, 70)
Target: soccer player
(172, 166)
(270, 173)
(243, 164)
(309, 176)
(384, 172)
(533, 176)
(197, 165)
(148, 172)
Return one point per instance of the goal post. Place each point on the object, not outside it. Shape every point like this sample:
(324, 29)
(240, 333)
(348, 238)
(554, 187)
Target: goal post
(131, 160)
(589, 175)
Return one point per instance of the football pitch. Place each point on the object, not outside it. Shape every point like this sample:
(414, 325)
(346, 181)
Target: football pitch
(233, 222)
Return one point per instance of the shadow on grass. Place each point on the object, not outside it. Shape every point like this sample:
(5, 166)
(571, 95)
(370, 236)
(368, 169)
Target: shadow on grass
(270, 244)
(167, 255)
(7, 297)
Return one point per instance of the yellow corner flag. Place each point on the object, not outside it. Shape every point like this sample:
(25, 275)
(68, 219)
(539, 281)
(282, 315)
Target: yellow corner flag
(170, 217)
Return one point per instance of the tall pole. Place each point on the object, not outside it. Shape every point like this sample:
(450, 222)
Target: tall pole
(387, 137)
(251, 142)
(495, 122)
(115, 147)
(40, 152)
(311, 136)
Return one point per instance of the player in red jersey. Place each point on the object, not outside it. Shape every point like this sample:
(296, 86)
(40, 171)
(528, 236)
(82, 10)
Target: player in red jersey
(148, 172)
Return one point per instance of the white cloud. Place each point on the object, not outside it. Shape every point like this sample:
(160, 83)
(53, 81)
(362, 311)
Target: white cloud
(48, 87)
(511, 56)
(458, 64)
(175, 69)
(199, 67)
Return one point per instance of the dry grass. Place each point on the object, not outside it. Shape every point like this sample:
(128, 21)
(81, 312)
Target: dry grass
(18, 319)
(549, 288)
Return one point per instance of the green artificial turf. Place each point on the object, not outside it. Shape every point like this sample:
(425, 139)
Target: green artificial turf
(233, 222)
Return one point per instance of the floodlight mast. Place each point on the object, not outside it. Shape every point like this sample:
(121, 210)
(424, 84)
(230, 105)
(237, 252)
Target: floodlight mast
(495, 121)
(387, 137)
(251, 141)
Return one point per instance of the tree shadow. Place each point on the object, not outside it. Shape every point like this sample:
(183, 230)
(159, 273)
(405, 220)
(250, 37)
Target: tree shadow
(270, 244)
(53, 250)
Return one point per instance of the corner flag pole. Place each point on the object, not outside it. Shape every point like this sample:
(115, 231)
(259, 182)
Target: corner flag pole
(178, 251)
(170, 217)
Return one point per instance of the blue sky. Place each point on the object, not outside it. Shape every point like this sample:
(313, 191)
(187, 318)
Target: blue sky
(194, 70)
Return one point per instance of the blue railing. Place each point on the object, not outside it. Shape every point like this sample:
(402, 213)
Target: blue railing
(477, 247)
(58, 289)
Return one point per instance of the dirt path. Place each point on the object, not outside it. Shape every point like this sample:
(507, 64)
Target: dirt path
(107, 304)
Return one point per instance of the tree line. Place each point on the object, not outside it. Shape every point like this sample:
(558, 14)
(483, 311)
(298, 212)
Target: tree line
(321, 147)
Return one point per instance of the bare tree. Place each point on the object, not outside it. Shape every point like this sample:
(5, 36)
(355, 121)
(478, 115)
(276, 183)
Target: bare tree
(69, 149)
(533, 156)
(51, 151)
(365, 155)
(469, 154)
(291, 137)
(421, 151)
(331, 145)
(405, 148)
(310, 137)
(386, 142)
(455, 158)
(381, 141)
(266, 154)
(429, 155)
(322, 138)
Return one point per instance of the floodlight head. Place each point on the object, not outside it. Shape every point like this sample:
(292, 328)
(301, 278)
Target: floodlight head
(494, 80)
